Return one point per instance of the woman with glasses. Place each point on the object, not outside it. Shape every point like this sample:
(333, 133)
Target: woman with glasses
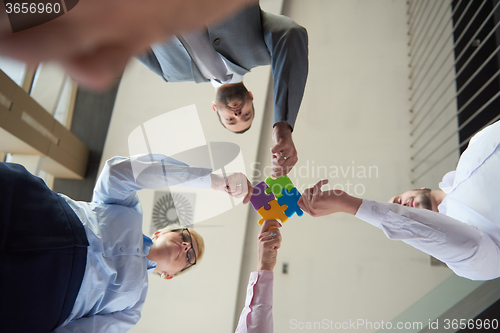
(185, 241)
(89, 261)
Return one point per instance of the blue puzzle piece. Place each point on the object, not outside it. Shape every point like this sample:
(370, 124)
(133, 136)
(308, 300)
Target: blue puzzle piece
(290, 198)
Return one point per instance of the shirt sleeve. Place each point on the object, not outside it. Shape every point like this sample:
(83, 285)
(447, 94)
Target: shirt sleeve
(466, 249)
(150, 60)
(287, 43)
(122, 177)
(257, 315)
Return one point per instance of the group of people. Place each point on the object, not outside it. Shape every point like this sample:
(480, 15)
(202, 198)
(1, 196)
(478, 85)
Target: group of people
(91, 259)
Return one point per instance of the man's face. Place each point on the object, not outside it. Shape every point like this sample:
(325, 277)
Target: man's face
(234, 104)
(415, 198)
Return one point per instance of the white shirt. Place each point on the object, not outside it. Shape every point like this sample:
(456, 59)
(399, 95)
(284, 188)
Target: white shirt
(465, 234)
(115, 282)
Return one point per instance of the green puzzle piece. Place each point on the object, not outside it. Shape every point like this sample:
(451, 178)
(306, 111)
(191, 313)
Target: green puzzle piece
(276, 185)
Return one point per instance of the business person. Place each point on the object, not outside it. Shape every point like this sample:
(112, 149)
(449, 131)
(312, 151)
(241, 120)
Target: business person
(458, 224)
(83, 266)
(223, 53)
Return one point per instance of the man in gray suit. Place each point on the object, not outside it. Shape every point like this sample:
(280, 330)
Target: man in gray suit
(224, 53)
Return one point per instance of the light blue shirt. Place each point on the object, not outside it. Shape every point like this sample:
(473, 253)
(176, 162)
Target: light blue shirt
(115, 282)
(465, 234)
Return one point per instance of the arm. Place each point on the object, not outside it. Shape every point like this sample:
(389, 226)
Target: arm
(122, 177)
(464, 248)
(287, 43)
(257, 315)
(150, 60)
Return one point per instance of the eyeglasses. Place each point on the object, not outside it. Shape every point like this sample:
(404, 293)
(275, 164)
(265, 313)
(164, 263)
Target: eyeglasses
(191, 254)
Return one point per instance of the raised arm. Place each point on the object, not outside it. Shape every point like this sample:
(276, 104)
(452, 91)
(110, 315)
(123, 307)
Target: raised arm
(122, 177)
(466, 249)
(287, 43)
(257, 315)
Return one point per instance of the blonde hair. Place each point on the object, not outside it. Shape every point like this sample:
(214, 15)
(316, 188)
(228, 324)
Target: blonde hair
(197, 237)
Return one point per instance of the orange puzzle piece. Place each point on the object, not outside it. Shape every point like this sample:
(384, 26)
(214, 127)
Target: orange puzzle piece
(276, 212)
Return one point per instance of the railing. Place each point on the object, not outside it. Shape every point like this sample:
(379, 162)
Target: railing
(454, 77)
(33, 136)
(53, 91)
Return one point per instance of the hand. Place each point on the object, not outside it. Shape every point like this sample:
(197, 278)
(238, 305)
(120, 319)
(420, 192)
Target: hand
(316, 202)
(268, 245)
(236, 184)
(95, 40)
(284, 155)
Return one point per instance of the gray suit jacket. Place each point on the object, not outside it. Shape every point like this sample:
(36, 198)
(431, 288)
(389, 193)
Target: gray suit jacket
(249, 39)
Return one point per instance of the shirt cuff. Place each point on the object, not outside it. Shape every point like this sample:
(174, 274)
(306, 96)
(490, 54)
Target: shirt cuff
(370, 211)
(283, 121)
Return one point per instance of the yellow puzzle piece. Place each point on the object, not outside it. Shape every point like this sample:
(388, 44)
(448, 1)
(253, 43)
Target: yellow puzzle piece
(276, 212)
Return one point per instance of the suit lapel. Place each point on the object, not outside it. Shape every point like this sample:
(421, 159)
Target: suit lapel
(195, 71)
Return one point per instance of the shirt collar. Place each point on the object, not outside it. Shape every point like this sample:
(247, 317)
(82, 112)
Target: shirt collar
(447, 186)
(151, 266)
(233, 78)
(147, 243)
(447, 183)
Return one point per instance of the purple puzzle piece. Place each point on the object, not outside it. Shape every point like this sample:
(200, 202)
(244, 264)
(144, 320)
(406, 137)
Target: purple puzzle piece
(290, 198)
(260, 198)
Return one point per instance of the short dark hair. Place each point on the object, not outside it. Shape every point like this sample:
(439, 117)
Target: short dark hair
(423, 190)
(242, 131)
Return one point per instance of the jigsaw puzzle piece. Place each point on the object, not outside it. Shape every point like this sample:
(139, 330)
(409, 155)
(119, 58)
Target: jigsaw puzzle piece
(290, 199)
(276, 185)
(276, 212)
(260, 198)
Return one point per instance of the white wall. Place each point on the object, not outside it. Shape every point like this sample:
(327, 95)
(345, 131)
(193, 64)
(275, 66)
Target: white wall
(354, 114)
